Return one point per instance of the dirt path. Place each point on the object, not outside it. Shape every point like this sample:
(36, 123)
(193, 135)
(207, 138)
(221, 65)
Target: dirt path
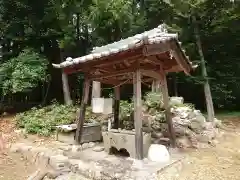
(12, 166)
(218, 163)
(221, 162)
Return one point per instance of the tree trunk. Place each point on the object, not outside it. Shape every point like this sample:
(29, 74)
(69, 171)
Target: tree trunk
(207, 90)
(66, 92)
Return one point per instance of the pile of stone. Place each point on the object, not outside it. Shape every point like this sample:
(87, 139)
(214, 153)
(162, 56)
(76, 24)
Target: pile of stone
(190, 125)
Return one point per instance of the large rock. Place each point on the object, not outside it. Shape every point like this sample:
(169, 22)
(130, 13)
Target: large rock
(184, 122)
(181, 112)
(59, 162)
(158, 153)
(206, 136)
(174, 101)
(197, 123)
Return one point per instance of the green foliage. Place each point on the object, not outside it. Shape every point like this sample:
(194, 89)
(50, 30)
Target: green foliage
(55, 23)
(23, 72)
(154, 100)
(44, 120)
(126, 110)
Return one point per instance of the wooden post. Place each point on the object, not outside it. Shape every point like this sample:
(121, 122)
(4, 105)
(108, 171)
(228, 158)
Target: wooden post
(116, 107)
(65, 84)
(81, 116)
(156, 86)
(167, 110)
(137, 114)
(96, 89)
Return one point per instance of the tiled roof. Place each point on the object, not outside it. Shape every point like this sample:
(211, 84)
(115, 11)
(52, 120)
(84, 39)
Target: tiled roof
(154, 36)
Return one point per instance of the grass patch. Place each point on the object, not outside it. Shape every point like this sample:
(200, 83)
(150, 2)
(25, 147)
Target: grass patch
(44, 120)
(228, 114)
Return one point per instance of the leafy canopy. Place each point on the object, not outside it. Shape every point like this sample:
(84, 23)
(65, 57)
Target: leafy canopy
(23, 72)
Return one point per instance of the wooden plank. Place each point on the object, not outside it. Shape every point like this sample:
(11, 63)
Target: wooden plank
(154, 49)
(167, 110)
(82, 111)
(116, 107)
(137, 114)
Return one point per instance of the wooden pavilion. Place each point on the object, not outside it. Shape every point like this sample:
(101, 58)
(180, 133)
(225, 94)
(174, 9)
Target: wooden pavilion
(141, 58)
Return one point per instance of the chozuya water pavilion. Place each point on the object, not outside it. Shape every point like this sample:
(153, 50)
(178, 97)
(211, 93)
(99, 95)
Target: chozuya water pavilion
(141, 58)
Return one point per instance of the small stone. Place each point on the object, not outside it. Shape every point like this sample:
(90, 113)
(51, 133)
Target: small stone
(118, 175)
(98, 149)
(183, 142)
(217, 123)
(208, 126)
(76, 148)
(59, 162)
(91, 144)
(206, 136)
(85, 145)
(53, 174)
(20, 147)
(156, 135)
(43, 158)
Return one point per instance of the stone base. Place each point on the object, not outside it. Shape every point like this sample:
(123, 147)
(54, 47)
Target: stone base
(125, 140)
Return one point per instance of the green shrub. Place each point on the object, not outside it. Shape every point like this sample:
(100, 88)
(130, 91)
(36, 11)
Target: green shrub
(44, 120)
(154, 100)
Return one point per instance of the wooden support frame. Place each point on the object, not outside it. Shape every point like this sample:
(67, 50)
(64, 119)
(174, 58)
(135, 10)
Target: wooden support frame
(151, 74)
(113, 74)
(81, 116)
(167, 109)
(116, 107)
(137, 114)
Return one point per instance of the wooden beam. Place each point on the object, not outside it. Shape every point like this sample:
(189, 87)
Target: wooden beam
(113, 74)
(116, 107)
(167, 110)
(151, 74)
(154, 49)
(81, 116)
(180, 58)
(137, 114)
(110, 81)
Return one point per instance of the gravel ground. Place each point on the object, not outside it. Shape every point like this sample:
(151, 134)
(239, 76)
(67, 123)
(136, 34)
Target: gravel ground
(221, 162)
(12, 166)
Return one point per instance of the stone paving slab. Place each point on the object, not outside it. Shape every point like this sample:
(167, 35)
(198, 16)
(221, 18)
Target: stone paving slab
(93, 165)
